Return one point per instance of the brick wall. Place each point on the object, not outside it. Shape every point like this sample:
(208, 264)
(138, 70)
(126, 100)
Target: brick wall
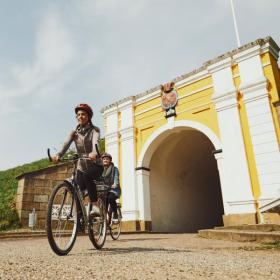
(34, 189)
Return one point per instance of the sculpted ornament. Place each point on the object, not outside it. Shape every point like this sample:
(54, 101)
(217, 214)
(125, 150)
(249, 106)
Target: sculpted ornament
(169, 99)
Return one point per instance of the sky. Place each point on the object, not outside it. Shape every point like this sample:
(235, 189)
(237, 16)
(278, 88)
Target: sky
(57, 54)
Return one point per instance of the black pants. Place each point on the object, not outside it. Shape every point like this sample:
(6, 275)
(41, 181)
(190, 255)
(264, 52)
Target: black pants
(85, 180)
(112, 201)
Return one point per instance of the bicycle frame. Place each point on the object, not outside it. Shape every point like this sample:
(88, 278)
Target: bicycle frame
(79, 198)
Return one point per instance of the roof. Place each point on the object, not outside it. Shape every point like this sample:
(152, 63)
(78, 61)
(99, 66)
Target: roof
(38, 171)
(259, 42)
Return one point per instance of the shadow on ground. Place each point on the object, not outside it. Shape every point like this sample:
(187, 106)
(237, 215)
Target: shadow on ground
(131, 250)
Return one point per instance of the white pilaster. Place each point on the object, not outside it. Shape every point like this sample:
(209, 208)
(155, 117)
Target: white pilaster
(112, 146)
(233, 168)
(128, 161)
(265, 145)
(224, 180)
(112, 134)
(143, 185)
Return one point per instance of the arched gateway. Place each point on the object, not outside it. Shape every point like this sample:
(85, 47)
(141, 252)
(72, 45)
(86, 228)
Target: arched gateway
(203, 150)
(183, 193)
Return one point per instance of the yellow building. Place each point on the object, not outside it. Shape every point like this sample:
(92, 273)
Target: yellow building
(215, 158)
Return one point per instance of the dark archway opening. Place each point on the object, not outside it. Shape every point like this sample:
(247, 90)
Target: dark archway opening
(184, 184)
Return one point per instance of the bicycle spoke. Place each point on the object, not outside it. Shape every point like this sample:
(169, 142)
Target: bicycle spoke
(62, 219)
(97, 227)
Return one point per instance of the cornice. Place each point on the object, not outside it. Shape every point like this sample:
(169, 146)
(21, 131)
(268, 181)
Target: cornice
(246, 54)
(232, 53)
(113, 109)
(147, 97)
(112, 138)
(261, 83)
(112, 135)
(272, 48)
(127, 133)
(127, 103)
(225, 100)
(219, 65)
(202, 74)
(254, 91)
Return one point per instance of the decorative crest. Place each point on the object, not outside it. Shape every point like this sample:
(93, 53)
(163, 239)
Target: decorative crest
(169, 99)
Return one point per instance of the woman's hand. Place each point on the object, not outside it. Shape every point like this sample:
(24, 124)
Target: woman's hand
(92, 156)
(55, 158)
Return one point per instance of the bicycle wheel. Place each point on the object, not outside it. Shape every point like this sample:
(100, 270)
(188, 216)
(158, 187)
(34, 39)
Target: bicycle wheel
(62, 219)
(98, 226)
(115, 228)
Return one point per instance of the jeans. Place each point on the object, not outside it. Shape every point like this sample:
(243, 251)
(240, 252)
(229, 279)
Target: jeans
(112, 201)
(85, 180)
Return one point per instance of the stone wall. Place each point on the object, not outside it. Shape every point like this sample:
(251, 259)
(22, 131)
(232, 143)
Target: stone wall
(34, 189)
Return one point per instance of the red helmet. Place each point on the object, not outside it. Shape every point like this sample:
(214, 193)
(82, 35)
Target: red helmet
(86, 108)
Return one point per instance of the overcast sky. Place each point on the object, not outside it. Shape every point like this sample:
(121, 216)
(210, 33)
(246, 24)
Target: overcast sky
(56, 54)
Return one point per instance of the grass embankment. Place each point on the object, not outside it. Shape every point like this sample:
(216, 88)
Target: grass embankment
(8, 189)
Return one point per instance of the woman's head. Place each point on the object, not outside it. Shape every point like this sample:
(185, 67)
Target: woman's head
(84, 114)
(106, 159)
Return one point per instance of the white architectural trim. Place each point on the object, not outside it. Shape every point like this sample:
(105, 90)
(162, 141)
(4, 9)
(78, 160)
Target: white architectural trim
(235, 182)
(272, 49)
(192, 79)
(247, 54)
(220, 65)
(226, 100)
(127, 133)
(147, 150)
(262, 130)
(110, 111)
(128, 161)
(179, 98)
(147, 97)
(223, 179)
(254, 91)
(143, 186)
(111, 138)
(126, 104)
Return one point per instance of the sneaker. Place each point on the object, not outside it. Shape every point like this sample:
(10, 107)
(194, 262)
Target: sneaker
(95, 211)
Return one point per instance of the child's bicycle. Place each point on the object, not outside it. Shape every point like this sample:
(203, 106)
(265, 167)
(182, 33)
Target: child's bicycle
(67, 214)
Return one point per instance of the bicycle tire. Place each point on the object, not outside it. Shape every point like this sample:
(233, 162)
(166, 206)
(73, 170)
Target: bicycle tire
(98, 226)
(115, 229)
(58, 215)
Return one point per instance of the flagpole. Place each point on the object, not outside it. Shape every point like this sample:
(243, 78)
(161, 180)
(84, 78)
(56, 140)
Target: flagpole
(235, 24)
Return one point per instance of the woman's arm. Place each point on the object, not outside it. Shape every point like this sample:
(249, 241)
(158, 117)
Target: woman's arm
(116, 177)
(66, 144)
(95, 141)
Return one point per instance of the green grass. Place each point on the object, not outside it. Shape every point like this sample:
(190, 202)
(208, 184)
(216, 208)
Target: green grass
(8, 189)
(273, 245)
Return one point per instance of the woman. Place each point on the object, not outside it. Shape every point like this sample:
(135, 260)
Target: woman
(85, 136)
(111, 178)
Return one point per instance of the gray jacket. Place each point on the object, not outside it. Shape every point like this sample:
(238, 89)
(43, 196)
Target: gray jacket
(85, 139)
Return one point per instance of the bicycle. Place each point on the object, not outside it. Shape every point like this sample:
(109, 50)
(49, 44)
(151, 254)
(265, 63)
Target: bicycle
(114, 226)
(67, 213)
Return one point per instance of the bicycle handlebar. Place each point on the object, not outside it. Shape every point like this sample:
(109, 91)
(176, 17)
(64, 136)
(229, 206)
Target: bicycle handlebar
(75, 157)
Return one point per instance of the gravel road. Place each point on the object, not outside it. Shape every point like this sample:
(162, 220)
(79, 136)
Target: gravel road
(140, 256)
